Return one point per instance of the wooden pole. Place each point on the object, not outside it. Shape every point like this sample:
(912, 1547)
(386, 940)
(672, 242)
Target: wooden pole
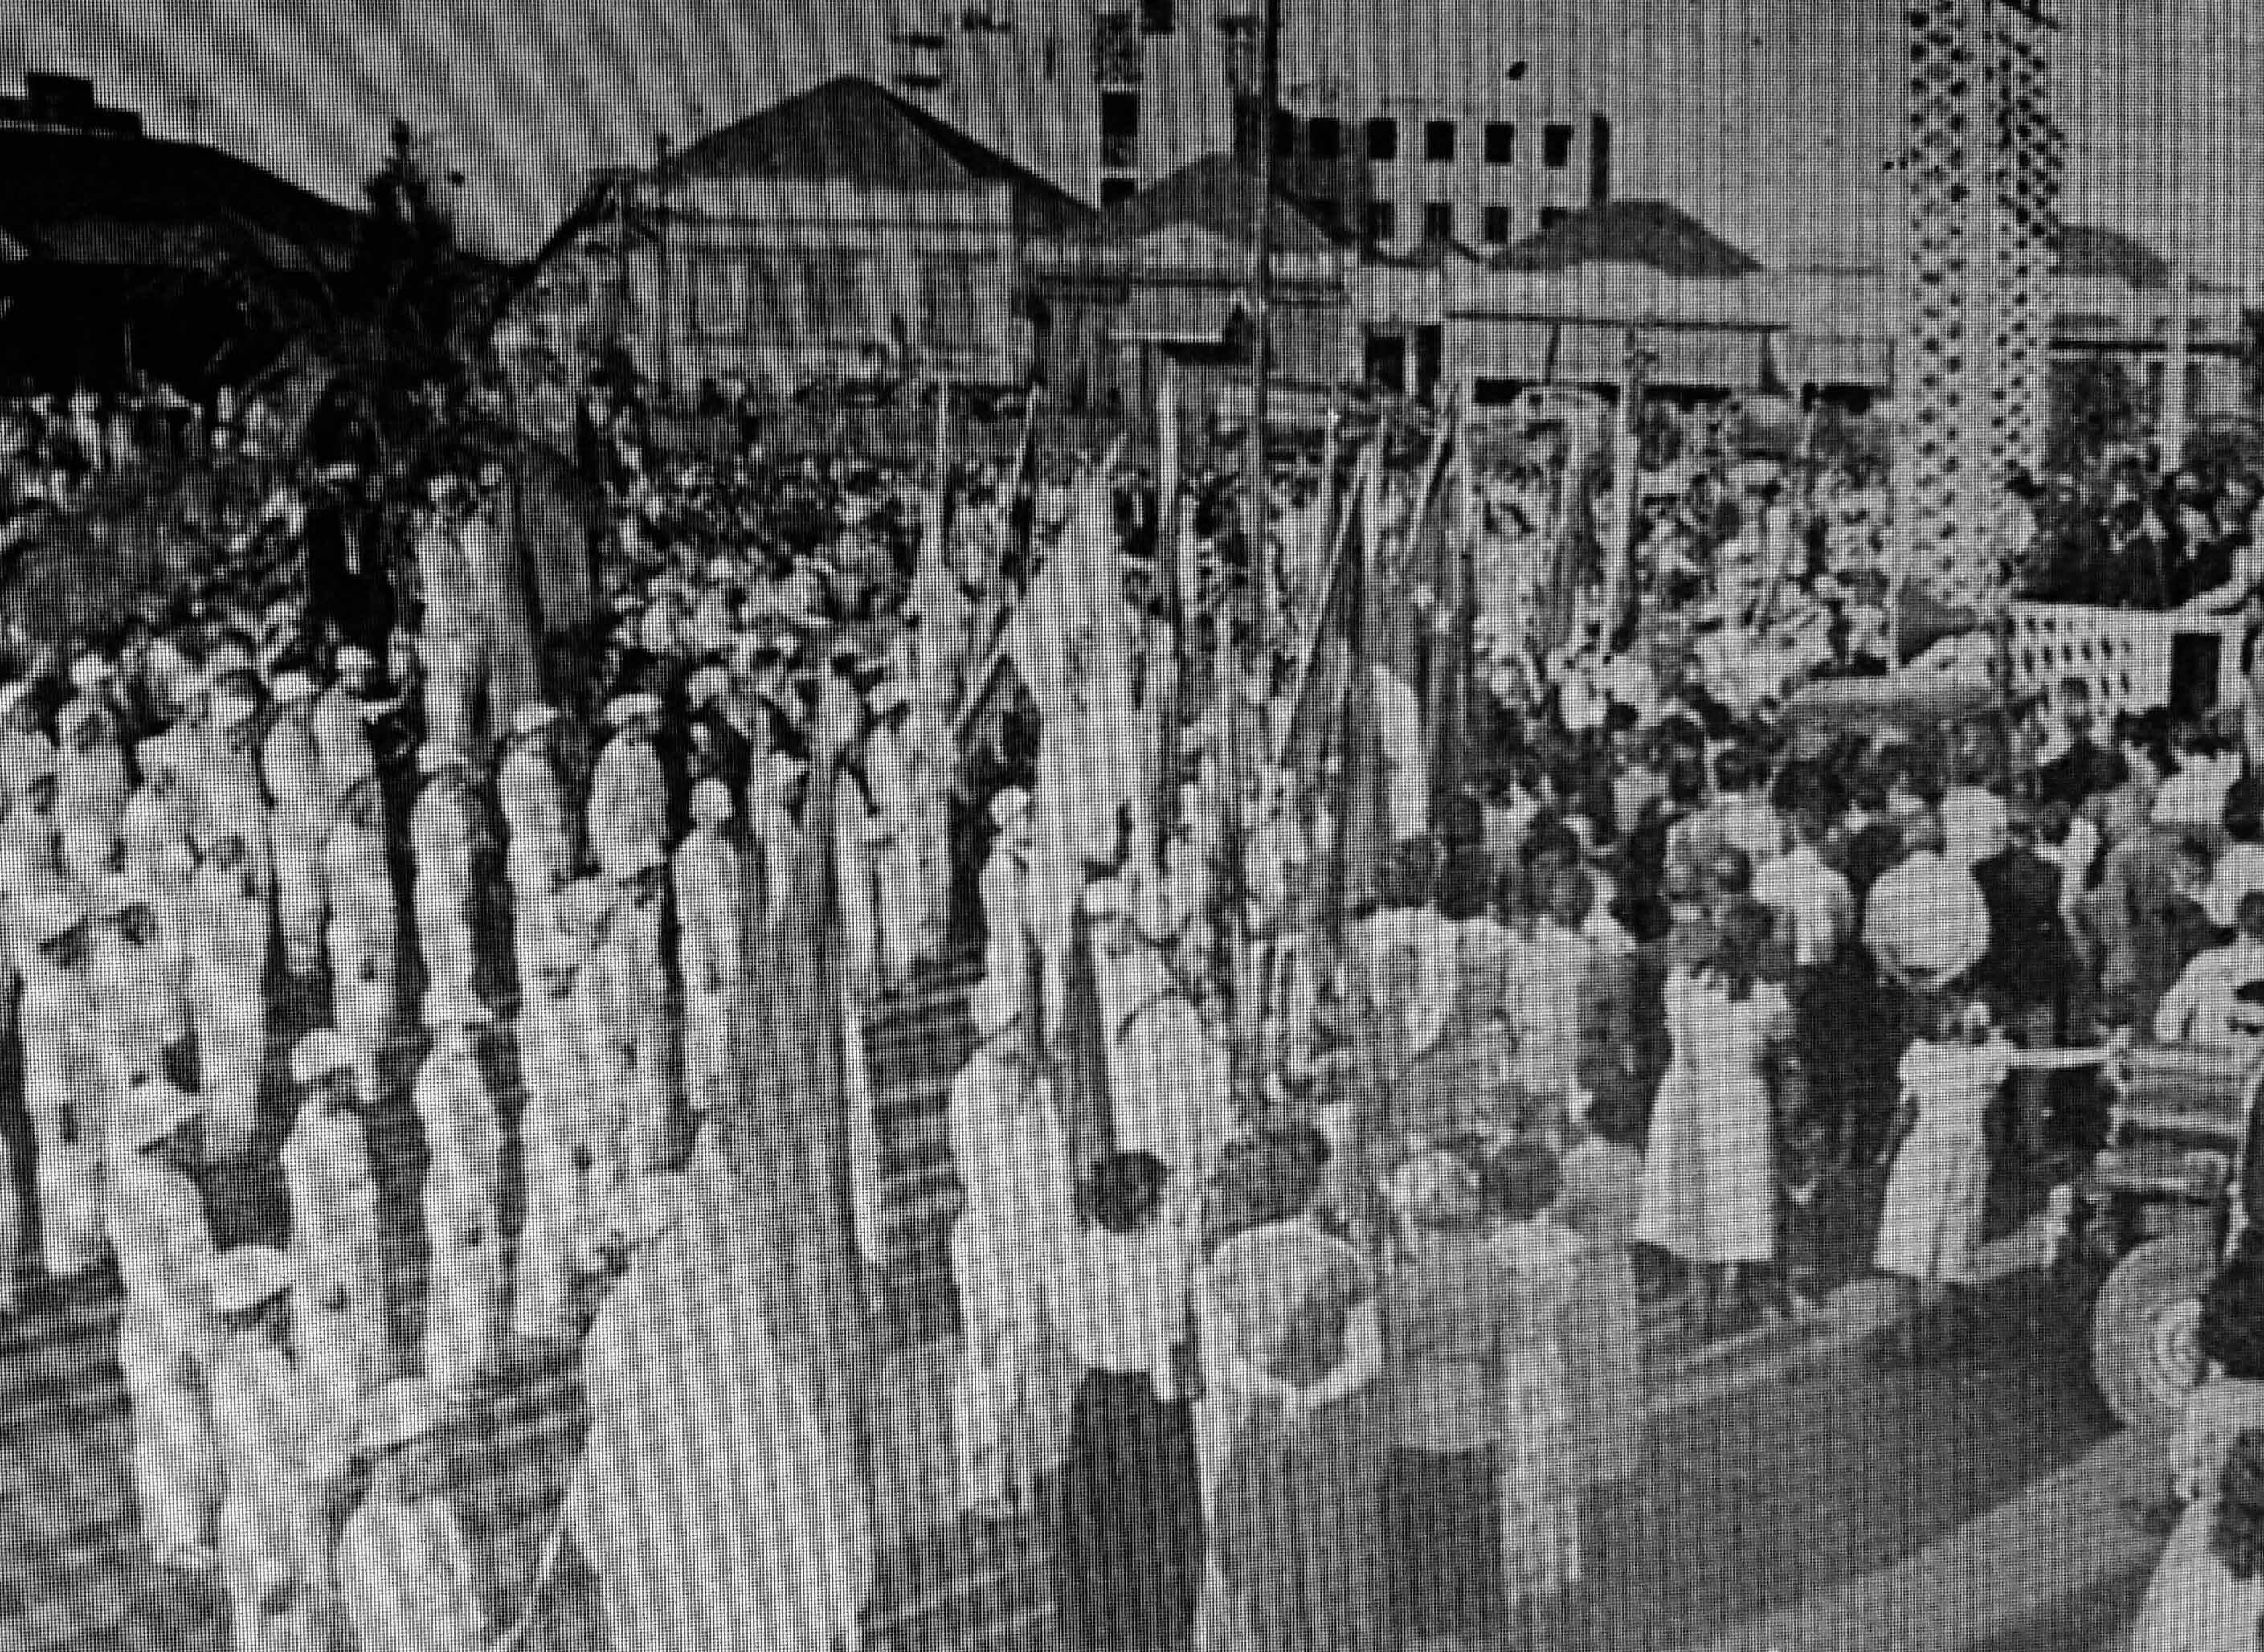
(666, 356)
(1167, 635)
(1258, 601)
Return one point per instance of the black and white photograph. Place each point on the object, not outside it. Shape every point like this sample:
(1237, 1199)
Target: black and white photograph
(1131, 825)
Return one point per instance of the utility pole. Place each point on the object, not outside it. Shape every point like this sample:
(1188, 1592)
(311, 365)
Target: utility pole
(660, 238)
(1261, 294)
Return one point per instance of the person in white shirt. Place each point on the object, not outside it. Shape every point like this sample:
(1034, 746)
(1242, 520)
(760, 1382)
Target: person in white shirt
(462, 1199)
(274, 1524)
(403, 1569)
(1007, 1152)
(554, 1136)
(2219, 998)
(63, 1089)
(167, 1337)
(298, 823)
(1818, 900)
(1925, 925)
(444, 835)
(338, 1328)
(362, 939)
(1005, 883)
(706, 870)
(628, 808)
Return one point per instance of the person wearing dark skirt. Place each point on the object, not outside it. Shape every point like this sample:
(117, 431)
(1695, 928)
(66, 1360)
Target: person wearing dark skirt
(1446, 1314)
(1130, 1544)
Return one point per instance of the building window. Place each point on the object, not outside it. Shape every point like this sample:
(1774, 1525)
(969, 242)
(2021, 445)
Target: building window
(1115, 191)
(1285, 135)
(1119, 51)
(1497, 226)
(1382, 222)
(1324, 138)
(1557, 144)
(1120, 130)
(769, 301)
(1325, 211)
(715, 297)
(828, 304)
(1158, 17)
(1438, 220)
(1551, 217)
(1439, 142)
(1500, 143)
(1383, 140)
(956, 310)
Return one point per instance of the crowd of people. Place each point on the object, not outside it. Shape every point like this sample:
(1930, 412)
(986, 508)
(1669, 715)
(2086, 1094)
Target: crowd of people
(1350, 1265)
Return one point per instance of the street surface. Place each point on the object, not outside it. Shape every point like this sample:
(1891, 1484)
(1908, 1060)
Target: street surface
(1778, 1468)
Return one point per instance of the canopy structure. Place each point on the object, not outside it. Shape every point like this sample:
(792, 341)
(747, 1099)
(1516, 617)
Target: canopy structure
(1844, 360)
(1516, 350)
(1703, 358)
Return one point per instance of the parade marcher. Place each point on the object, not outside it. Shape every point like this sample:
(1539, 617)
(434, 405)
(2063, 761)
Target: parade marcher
(63, 1089)
(231, 794)
(338, 1322)
(274, 1522)
(363, 937)
(633, 956)
(775, 794)
(554, 1137)
(648, 1211)
(444, 835)
(897, 764)
(462, 1194)
(298, 822)
(90, 792)
(628, 807)
(227, 935)
(600, 1009)
(1168, 1081)
(403, 1568)
(707, 884)
(341, 723)
(539, 860)
(1007, 1153)
(452, 638)
(167, 1338)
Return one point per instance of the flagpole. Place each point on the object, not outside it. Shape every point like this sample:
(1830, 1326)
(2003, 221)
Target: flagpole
(1172, 692)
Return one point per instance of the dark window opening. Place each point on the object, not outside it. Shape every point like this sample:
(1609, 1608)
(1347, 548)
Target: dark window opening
(1383, 140)
(1551, 217)
(1500, 143)
(1438, 220)
(1284, 137)
(1439, 142)
(1158, 17)
(1324, 138)
(1115, 190)
(1497, 226)
(1382, 221)
(1326, 211)
(1557, 144)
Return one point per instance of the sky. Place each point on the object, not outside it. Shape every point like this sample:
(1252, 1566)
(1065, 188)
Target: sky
(1769, 120)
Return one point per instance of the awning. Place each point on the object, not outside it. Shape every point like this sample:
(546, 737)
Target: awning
(1306, 340)
(1177, 315)
(1590, 353)
(1832, 358)
(1709, 358)
(1504, 349)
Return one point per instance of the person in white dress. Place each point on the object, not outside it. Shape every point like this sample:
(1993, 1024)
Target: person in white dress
(554, 1137)
(462, 1199)
(274, 1524)
(363, 938)
(706, 877)
(403, 1569)
(338, 1330)
(167, 1337)
(1710, 1197)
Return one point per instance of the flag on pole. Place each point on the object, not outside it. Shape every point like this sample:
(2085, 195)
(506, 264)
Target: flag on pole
(1401, 647)
(1332, 638)
(722, 1504)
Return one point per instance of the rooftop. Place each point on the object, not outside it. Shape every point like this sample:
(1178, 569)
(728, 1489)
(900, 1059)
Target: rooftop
(1651, 233)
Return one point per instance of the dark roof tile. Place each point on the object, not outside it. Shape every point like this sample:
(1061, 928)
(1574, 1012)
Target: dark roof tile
(1648, 232)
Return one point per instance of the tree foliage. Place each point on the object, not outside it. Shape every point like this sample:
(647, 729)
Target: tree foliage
(2095, 409)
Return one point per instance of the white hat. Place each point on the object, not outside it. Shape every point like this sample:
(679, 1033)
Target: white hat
(320, 1053)
(628, 860)
(406, 1409)
(292, 687)
(889, 697)
(531, 717)
(626, 707)
(448, 1008)
(706, 684)
(248, 1275)
(1108, 898)
(1010, 805)
(711, 803)
(649, 1208)
(994, 1003)
(435, 755)
(154, 1112)
(51, 918)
